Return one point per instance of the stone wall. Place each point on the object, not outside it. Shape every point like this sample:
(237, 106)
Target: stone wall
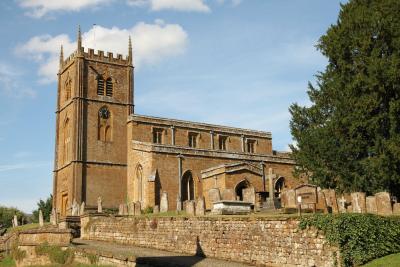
(260, 241)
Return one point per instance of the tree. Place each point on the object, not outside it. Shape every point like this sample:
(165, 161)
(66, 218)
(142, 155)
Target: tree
(349, 138)
(7, 215)
(46, 208)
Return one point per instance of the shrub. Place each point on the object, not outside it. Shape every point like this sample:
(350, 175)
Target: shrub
(360, 237)
(148, 210)
(55, 254)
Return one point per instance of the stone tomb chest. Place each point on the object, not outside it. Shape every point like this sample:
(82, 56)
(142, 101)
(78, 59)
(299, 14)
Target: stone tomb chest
(306, 195)
(231, 207)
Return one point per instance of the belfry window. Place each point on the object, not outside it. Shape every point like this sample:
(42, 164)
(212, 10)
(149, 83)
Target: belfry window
(109, 87)
(100, 85)
(192, 139)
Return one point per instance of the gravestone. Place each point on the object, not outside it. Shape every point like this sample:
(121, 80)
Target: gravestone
(131, 208)
(306, 196)
(349, 209)
(331, 202)
(342, 204)
(321, 201)
(121, 209)
(290, 198)
(74, 208)
(125, 209)
(138, 208)
(179, 203)
(99, 205)
(53, 217)
(82, 209)
(164, 202)
(228, 194)
(396, 208)
(15, 223)
(200, 207)
(156, 209)
(190, 207)
(358, 202)
(371, 205)
(383, 203)
(249, 195)
(41, 223)
(214, 195)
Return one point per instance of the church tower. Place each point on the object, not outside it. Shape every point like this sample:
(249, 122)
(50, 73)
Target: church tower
(94, 100)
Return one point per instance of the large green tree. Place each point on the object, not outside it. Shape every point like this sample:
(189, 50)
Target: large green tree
(349, 137)
(45, 206)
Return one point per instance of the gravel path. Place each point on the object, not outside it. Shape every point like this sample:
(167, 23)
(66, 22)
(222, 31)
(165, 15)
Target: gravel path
(154, 257)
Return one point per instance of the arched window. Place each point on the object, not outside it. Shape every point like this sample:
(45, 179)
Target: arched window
(100, 85)
(104, 131)
(279, 185)
(187, 186)
(67, 139)
(109, 87)
(68, 89)
(139, 183)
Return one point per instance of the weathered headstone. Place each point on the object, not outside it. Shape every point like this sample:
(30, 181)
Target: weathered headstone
(156, 209)
(358, 202)
(82, 209)
(331, 202)
(228, 194)
(290, 196)
(370, 203)
(125, 209)
(383, 203)
(396, 208)
(214, 195)
(342, 204)
(164, 202)
(131, 208)
(74, 208)
(249, 195)
(190, 207)
(138, 208)
(306, 196)
(53, 217)
(41, 223)
(349, 209)
(121, 209)
(15, 221)
(179, 203)
(321, 201)
(200, 207)
(99, 205)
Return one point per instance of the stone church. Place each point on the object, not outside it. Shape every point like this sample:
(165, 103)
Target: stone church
(103, 149)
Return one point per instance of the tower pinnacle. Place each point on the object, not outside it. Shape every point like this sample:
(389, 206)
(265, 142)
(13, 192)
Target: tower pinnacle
(79, 39)
(130, 50)
(61, 56)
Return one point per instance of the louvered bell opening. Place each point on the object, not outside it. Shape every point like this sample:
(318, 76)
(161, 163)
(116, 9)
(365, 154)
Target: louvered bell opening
(109, 87)
(100, 86)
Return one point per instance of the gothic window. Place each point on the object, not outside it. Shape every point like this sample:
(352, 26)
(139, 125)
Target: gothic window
(157, 135)
(139, 183)
(104, 125)
(250, 145)
(187, 186)
(100, 85)
(222, 142)
(109, 87)
(68, 89)
(193, 139)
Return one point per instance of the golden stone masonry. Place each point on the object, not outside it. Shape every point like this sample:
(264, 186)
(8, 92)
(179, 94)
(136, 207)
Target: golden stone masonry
(103, 149)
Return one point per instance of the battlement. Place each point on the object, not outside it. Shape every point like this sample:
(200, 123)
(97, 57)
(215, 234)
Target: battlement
(98, 55)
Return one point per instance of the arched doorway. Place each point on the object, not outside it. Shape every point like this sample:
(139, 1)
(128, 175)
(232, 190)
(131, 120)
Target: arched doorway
(279, 185)
(187, 186)
(239, 188)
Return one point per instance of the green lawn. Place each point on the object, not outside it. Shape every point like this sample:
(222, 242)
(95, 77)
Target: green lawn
(392, 260)
(9, 262)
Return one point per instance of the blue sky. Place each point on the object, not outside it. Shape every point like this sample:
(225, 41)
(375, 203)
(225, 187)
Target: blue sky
(231, 62)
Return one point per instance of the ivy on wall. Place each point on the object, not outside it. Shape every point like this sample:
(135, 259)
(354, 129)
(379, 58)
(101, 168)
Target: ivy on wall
(359, 237)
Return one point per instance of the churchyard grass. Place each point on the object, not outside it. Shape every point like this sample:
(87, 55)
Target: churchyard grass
(392, 260)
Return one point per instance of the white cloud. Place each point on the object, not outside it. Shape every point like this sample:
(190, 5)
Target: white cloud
(178, 5)
(39, 8)
(25, 165)
(10, 85)
(151, 44)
